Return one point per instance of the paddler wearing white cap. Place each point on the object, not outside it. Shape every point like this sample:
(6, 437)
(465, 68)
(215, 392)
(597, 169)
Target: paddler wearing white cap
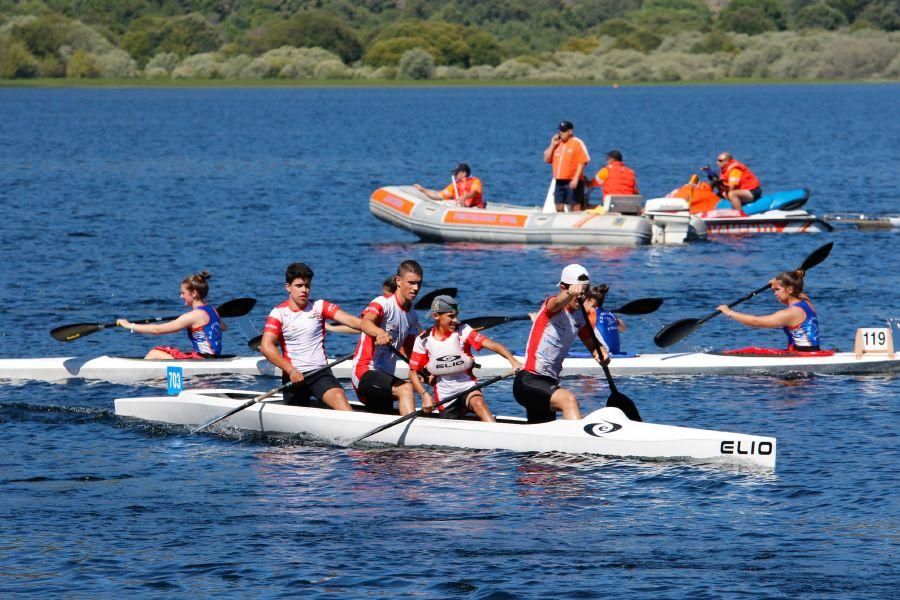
(445, 351)
(558, 322)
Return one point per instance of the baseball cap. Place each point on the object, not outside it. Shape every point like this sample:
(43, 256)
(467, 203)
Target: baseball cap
(566, 126)
(461, 167)
(444, 304)
(574, 274)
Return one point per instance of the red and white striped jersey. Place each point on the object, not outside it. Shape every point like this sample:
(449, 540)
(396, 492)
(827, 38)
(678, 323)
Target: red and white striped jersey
(450, 360)
(551, 338)
(301, 333)
(402, 325)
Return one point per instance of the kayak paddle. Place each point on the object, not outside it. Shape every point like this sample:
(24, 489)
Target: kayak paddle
(268, 394)
(616, 398)
(68, 333)
(677, 331)
(641, 306)
(417, 413)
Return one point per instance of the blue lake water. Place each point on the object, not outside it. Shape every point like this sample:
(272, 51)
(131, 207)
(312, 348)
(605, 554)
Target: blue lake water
(110, 197)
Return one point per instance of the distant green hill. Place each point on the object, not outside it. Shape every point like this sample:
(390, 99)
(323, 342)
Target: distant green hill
(365, 38)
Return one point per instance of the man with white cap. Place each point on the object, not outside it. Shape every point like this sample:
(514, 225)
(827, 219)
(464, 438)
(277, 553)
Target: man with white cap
(559, 321)
(445, 351)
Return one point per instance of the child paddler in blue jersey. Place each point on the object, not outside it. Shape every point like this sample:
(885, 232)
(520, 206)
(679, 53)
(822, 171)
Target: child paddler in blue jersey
(798, 321)
(204, 328)
(606, 325)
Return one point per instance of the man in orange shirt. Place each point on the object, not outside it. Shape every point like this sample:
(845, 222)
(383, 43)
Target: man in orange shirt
(464, 189)
(615, 178)
(568, 155)
(738, 184)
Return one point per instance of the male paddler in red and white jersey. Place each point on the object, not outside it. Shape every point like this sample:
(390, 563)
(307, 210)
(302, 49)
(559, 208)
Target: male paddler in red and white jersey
(559, 321)
(373, 365)
(298, 325)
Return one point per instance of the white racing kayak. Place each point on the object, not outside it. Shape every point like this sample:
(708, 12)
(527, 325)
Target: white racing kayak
(604, 432)
(131, 370)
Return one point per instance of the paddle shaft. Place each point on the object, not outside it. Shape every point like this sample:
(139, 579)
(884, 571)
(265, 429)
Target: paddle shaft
(416, 413)
(270, 393)
(642, 306)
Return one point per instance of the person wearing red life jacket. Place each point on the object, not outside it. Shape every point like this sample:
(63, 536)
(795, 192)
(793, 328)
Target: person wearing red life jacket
(466, 190)
(615, 178)
(737, 183)
(445, 352)
(204, 328)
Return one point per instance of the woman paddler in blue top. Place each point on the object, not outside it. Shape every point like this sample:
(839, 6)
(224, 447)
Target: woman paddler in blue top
(606, 325)
(798, 320)
(204, 328)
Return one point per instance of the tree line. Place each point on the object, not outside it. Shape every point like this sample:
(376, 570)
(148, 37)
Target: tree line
(421, 39)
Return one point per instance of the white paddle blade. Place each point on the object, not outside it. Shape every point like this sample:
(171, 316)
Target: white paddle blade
(550, 200)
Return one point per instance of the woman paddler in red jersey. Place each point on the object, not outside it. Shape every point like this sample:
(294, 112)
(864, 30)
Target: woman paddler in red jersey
(204, 328)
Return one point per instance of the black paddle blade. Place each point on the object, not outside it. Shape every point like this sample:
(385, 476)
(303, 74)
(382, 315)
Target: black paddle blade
(70, 333)
(817, 256)
(424, 302)
(675, 332)
(479, 323)
(619, 400)
(254, 343)
(236, 308)
(641, 306)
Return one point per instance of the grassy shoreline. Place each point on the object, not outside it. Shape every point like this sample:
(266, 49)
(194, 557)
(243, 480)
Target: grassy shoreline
(394, 83)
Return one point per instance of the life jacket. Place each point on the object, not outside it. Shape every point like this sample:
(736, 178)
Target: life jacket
(464, 186)
(207, 339)
(700, 196)
(806, 334)
(620, 180)
(748, 179)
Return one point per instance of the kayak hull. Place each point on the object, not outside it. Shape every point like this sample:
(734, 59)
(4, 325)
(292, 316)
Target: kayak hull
(604, 432)
(130, 370)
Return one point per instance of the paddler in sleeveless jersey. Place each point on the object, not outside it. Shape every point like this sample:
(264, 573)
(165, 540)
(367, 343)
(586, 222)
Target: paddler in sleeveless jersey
(445, 352)
(606, 325)
(298, 326)
(557, 324)
(373, 366)
(204, 328)
(798, 321)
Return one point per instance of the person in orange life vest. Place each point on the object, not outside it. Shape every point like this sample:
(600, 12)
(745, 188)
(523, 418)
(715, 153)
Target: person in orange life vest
(297, 325)
(568, 156)
(464, 189)
(202, 323)
(798, 321)
(615, 178)
(737, 183)
(445, 352)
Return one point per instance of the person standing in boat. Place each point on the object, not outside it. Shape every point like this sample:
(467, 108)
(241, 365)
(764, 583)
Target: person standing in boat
(615, 178)
(464, 189)
(606, 325)
(737, 183)
(445, 351)
(204, 328)
(798, 321)
(559, 321)
(298, 326)
(568, 156)
(374, 365)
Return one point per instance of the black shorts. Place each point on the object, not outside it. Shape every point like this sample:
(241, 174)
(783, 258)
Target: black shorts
(534, 392)
(458, 409)
(375, 390)
(756, 193)
(310, 391)
(563, 194)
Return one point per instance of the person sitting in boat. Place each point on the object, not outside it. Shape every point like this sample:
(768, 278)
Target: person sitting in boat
(464, 189)
(374, 364)
(736, 182)
(204, 328)
(615, 178)
(606, 325)
(568, 156)
(297, 325)
(798, 320)
(445, 351)
(559, 321)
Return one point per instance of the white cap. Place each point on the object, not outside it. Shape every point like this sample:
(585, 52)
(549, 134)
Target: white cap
(574, 274)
